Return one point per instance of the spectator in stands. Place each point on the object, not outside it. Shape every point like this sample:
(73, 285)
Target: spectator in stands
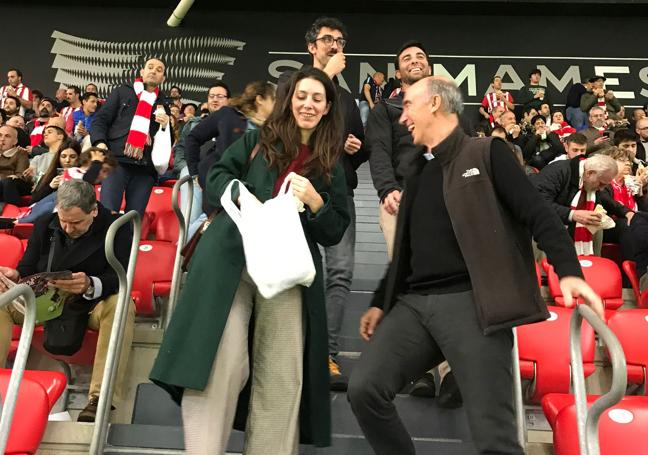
(220, 129)
(426, 310)
(188, 111)
(61, 99)
(74, 237)
(13, 162)
(500, 132)
(73, 97)
(326, 40)
(91, 88)
(46, 116)
(533, 94)
(641, 128)
(94, 165)
(370, 95)
(560, 126)
(126, 125)
(573, 188)
(175, 95)
(575, 116)
(634, 246)
(637, 114)
(210, 362)
(495, 97)
(525, 123)
(37, 97)
(66, 157)
(392, 151)
(626, 141)
(545, 112)
(82, 118)
(598, 96)
(18, 122)
(16, 88)
(543, 146)
(11, 106)
(514, 133)
(575, 145)
(597, 132)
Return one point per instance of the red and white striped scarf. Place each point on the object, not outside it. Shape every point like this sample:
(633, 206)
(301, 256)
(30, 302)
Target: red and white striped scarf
(582, 236)
(22, 91)
(36, 136)
(139, 129)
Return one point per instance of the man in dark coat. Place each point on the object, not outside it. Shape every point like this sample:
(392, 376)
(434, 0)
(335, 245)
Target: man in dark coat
(469, 206)
(325, 42)
(74, 239)
(112, 128)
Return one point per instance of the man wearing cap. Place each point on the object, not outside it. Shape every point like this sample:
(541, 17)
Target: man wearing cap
(598, 96)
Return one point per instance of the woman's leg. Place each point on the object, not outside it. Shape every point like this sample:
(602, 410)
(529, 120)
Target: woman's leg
(208, 415)
(277, 375)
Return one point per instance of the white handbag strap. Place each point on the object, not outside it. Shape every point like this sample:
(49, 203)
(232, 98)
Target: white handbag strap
(229, 206)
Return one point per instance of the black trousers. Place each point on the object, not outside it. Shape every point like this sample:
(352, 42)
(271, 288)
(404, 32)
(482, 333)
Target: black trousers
(416, 335)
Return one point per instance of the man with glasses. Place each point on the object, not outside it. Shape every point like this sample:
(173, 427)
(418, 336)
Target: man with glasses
(325, 40)
(642, 144)
(597, 132)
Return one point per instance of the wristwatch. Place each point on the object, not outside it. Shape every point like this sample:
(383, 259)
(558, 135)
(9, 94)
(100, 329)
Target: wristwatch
(89, 293)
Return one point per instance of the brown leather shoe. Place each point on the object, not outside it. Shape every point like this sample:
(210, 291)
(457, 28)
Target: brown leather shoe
(90, 411)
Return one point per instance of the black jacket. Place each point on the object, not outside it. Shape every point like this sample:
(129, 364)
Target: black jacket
(558, 183)
(85, 254)
(112, 123)
(352, 125)
(539, 159)
(634, 242)
(391, 148)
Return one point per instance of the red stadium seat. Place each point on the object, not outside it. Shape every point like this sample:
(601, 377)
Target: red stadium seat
(153, 274)
(631, 328)
(169, 183)
(32, 408)
(601, 274)
(622, 428)
(12, 250)
(544, 353)
(167, 227)
(22, 230)
(10, 211)
(630, 269)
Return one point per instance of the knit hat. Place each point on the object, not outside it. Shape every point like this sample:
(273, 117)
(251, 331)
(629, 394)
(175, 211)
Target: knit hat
(536, 118)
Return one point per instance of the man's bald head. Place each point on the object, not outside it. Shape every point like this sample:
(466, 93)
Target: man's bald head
(8, 138)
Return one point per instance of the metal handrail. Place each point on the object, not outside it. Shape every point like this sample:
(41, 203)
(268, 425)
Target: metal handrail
(182, 239)
(24, 344)
(587, 421)
(518, 401)
(117, 333)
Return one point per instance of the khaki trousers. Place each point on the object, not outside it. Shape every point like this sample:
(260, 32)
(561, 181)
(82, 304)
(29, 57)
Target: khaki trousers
(277, 351)
(101, 319)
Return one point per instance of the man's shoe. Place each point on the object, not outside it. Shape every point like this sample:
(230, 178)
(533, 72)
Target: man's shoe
(338, 382)
(424, 387)
(449, 394)
(89, 413)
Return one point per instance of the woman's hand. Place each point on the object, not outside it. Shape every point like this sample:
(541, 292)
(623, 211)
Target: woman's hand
(305, 192)
(29, 172)
(56, 181)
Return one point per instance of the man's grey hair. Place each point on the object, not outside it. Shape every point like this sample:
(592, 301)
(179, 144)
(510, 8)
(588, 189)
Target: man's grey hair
(76, 193)
(595, 108)
(447, 90)
(601, 164)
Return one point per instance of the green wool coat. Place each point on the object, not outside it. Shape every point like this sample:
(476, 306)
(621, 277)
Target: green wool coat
(190, 342)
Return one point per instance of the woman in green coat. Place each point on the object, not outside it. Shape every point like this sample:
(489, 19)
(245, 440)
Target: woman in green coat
(230, 356)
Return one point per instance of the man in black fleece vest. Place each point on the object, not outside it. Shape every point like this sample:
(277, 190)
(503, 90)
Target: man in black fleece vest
(462, 275)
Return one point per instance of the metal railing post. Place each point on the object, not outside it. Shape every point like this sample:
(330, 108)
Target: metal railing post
(587, 421)
(21, 356)
(117, 333)
(183, 219)
(518, 401)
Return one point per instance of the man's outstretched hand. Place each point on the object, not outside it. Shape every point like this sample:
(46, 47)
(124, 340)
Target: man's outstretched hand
(573, 287)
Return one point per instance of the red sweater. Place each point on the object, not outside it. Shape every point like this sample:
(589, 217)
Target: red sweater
(295, 166)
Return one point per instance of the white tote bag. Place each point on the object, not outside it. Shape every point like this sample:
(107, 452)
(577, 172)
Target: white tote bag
(276, 251)
(161, 152)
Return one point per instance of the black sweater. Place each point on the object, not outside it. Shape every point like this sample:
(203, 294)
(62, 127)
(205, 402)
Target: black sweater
(437, 264)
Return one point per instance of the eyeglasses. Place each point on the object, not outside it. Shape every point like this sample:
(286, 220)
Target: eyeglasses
(329, 40)
(218, 97)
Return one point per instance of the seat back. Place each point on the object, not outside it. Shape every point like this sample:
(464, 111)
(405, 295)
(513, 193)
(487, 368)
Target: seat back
(622, 429)
(84, 356)
(631, 328)
(546, 345)
(630, 269)
(167, 228)
(601, 274)
(30, 416)
(153, 274)
(12, 250)
(159, 202)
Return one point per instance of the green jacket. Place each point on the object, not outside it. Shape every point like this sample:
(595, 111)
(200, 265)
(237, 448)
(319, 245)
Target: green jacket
(190, 343)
